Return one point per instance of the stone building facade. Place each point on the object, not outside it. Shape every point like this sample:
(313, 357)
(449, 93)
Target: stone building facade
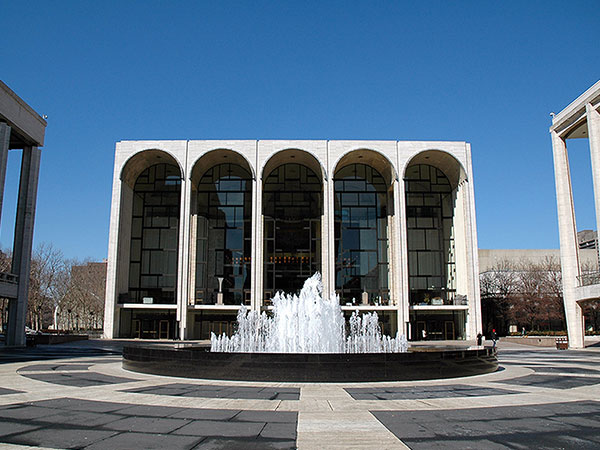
(199, 228)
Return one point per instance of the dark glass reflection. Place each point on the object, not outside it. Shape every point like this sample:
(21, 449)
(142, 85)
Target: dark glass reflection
(361, 235)
(430, 203)
(223, 245)
(292, 209)
(155, 235)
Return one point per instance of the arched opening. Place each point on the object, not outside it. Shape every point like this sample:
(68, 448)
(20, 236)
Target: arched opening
(362, 205)
(436, 246)
(148, 246)
(292, 209)
(221, 236)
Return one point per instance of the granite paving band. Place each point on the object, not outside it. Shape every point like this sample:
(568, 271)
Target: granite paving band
(554, 382)
(80, 379)
(424, 392)
(218, 391)
(550, 426)
(5, 391)
(85, 424)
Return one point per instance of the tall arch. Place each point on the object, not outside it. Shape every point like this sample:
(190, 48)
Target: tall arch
(363, 207)
(147, 269)
(436, 245)
(220, 240)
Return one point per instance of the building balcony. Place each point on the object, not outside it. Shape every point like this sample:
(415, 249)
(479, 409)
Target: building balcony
(588, 279)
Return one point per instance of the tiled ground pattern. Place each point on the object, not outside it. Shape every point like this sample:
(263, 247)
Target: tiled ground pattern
(85, 424)
(65, 422)
(424, 392)
(560, 425)
(215, 391)
(553, 426)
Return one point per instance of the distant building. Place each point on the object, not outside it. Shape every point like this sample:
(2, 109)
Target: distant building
(587, 239)
(199, 228)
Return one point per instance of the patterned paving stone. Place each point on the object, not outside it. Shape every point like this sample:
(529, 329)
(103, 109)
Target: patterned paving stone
(146, 442)
(77, 379)
(147, 424)
(424, 392)
(5, 391)
(54, 367)
(534, 426)
(215, 391)
(553, 382)
(59, 437)
(233, 444)
(222, 429)
(72, 424)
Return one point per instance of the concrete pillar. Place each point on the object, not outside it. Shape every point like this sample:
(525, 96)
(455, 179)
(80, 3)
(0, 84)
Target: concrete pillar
(593, 124)
(110, 316)
(473, 293)
(257, 244)
(396, 262)
(404, 299)
(328, 240)
(569, 252)
(4, 143)
(183, 250)
(21, 263)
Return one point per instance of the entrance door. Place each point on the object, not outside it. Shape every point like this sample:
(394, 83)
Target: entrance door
(449, 330)
(163, 329)
(136, 328)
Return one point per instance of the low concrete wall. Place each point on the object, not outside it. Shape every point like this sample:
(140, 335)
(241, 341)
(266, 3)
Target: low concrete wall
(45, 339)
(537, 341)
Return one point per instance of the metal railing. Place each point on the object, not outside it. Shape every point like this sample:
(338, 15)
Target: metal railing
(589, 278)
(9, 277)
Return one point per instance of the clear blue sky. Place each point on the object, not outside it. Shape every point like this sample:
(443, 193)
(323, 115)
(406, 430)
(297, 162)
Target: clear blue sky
(486, 72)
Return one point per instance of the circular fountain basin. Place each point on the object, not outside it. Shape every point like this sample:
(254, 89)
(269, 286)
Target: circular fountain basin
(416, 364)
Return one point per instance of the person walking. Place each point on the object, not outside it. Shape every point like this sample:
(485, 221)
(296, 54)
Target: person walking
(479, 338)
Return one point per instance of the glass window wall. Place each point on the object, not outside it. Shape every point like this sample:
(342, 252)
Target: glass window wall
(292, 208)
(155, 235)
(361, 236)
(430, 201)
(224, 235)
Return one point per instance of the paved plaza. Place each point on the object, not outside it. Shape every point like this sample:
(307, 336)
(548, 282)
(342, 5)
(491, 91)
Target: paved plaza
(78, 396)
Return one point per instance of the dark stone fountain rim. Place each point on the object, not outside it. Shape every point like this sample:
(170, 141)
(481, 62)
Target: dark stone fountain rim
(416, 364)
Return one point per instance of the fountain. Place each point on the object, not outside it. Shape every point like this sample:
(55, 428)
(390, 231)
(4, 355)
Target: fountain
(307, 323)
(305, 339)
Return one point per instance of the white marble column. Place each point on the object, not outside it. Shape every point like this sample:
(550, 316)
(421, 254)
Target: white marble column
(396, 262)
(21, 263)
(404, 299)
(569, 252)
(256, 283)
(183, 261)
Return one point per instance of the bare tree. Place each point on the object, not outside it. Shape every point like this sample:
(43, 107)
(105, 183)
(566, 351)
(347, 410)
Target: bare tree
(47, 277)
(498, 285)
(83, 303)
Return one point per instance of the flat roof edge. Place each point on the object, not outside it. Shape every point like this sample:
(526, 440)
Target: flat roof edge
(30, 126)
(574, 108)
